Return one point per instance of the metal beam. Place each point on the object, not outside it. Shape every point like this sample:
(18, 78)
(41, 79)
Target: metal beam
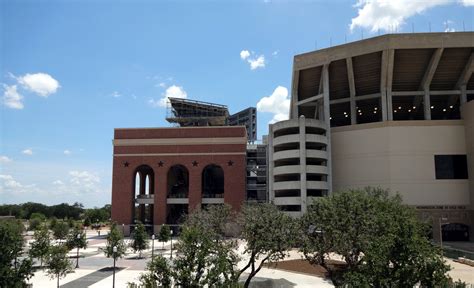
(368, 96)
(310, 99)
(421, 93)
(352, 90)
(391, 56)
(338, 101)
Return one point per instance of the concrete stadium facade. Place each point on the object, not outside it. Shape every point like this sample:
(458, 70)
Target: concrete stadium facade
(396, 112)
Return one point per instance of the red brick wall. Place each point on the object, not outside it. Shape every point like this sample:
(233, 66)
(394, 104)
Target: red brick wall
(123, 177)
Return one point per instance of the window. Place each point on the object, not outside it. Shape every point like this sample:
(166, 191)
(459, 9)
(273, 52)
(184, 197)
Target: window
(451, 166)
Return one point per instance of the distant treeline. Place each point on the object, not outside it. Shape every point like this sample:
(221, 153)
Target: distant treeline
(60, 211)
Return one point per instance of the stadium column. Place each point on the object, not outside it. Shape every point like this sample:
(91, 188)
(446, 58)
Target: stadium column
(328, 122)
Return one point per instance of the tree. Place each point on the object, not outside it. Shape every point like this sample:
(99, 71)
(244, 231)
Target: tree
(58, 262)
(60, 230)
(159, 273)
(379, 238)
(139, 239)
(41, 244)
(76, 242)
(165, 234)
(14, 269)
(269, 234)
(87, 222)
(115, 239)
(34, 224)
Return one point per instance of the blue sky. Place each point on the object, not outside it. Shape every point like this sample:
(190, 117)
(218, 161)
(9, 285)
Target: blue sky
(72, 71)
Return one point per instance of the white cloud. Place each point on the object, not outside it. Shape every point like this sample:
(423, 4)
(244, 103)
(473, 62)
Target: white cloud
(7, 181)
(28, 151)
(257, 63)
(254, 60)
(58, 182)
(467, 2)
(275, 53)
(4, 159)
(115, 94)
(162, 84)
(388, 14)
(171, 92)
(11, 97)
(67, 152)
(84, 179)
(278, 103)
(40, 83)
(244, 54)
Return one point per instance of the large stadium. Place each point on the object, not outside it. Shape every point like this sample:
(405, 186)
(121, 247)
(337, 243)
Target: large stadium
(394, 111)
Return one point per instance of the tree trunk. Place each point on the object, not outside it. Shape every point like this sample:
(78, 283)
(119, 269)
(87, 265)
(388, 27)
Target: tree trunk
(58, 280)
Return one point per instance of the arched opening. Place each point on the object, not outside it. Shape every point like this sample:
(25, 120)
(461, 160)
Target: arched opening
(178, 182)
(455, 232)
(213, 182)
(144, 195)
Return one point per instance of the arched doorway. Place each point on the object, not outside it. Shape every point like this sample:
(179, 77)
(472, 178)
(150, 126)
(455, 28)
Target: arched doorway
(212, 182)
(144, 180)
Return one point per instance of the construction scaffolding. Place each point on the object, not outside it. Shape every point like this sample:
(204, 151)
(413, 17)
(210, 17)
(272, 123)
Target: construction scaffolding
(185, 112)
(257, 173)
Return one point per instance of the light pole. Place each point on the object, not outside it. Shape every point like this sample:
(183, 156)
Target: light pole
(78, 237)
(152, 246)
(171, 256)
(441, 233)
(123, 229)
(114, 249)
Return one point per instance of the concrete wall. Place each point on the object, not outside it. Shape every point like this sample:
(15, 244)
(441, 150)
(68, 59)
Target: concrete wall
(400, 156)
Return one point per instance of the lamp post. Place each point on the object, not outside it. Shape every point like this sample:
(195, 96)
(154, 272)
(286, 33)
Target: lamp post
(171, 256)
(78, 237)
(114, 249)
(152, 246)
(123, 229)
(441, 233)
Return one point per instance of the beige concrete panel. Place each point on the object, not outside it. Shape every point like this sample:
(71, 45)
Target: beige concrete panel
(286, 139)
(317, 154)
(290, 169)
(286, 185)
(317, 185)
(400, 158)
(287, 201)
(316, 138)
(287, 154)
(315, 169)
(467, 112)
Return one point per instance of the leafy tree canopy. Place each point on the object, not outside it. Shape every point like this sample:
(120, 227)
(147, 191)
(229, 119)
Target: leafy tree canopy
(380, 239)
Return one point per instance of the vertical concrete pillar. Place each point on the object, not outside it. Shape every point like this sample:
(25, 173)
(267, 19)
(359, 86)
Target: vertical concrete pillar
(427, 105)
(328, 123)
(383, 85)
(390, 59)
(303, 186)
(271, 193)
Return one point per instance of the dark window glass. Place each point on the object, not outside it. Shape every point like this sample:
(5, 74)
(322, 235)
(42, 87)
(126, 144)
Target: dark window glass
(451, 166)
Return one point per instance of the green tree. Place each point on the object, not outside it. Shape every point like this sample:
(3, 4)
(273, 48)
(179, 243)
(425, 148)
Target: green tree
(37, 215)
(158, 273)
(115, 239)
(139, 239)
(34, 224)
(87, 222)
(269, 234)
(58, 262)
(14, 269)
(379, 238)
(60, 230)
(76, 242)
(41, 244)
(53, 222)
(165, 234)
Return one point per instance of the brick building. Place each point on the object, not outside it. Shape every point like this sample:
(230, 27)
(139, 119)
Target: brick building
(159, 174)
